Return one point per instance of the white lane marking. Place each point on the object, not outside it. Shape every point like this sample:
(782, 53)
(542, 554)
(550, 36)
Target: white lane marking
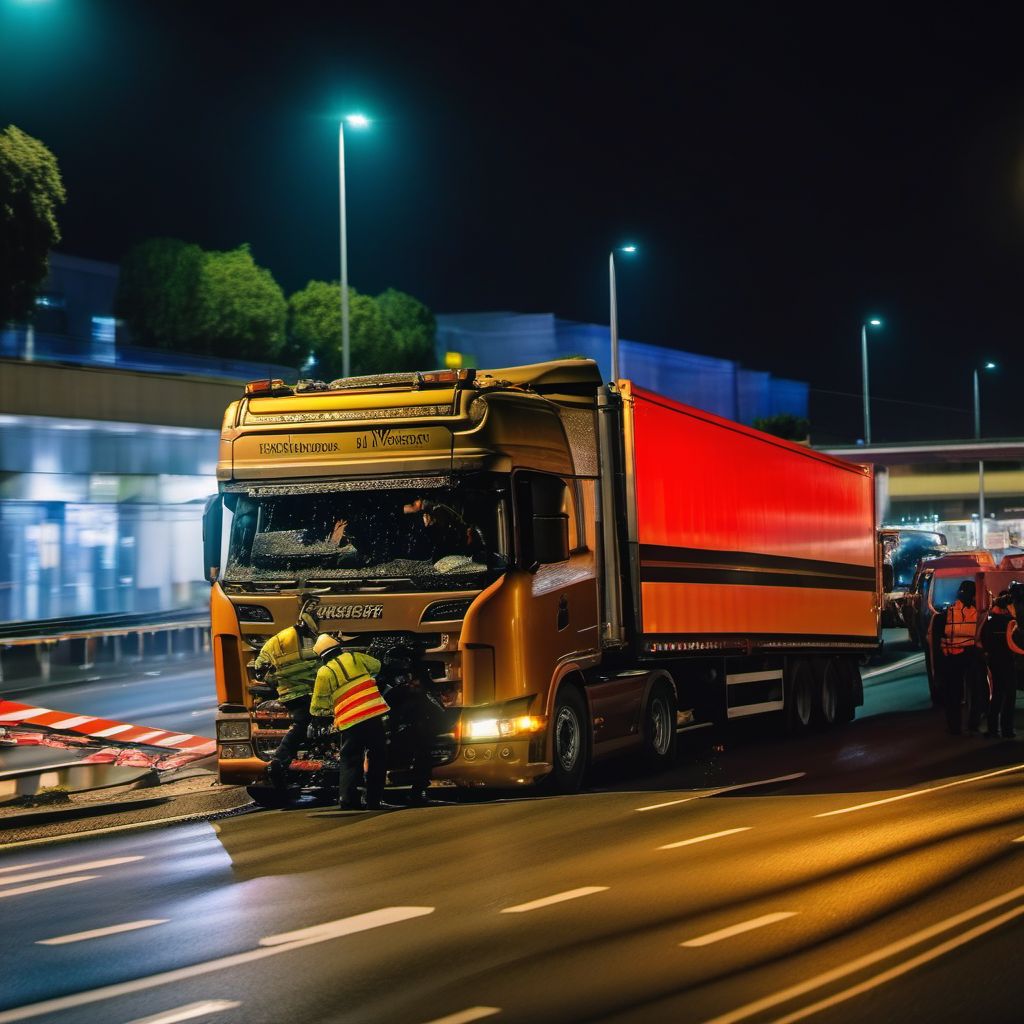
(319, 933)
(69, 869)
(724, 789)
(738, 929)
(70, 723)
(902, 663)
(99, 933)
(704, 839)
(113, 730)
(188, 1012)
(820, 980)
(909, 965)
(346, 925)
(38, 864)
(40, 886)
(920, 792)
(466, 1016)
(559, 897)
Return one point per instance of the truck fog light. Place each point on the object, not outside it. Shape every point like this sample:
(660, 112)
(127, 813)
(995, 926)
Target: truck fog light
(488, 753)
(470, 754)
(233, 729)
(235, 751)
(505, 753)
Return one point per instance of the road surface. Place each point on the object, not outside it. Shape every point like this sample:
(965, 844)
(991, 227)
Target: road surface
(875, 873)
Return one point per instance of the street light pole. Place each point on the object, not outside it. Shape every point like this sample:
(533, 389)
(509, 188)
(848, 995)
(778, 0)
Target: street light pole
(613, 309)
(864, 373)
(355, 121)
(981, 462)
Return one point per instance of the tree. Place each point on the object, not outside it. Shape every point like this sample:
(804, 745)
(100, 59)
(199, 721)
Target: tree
(240, 309)
(30, 192)
(785, 425)
(413, 327)
(314, 327)
(158, 291)
(174, 295)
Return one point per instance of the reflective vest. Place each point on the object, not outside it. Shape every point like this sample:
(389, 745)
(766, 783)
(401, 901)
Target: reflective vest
(961, 629)
(293, 662)
(346, 688)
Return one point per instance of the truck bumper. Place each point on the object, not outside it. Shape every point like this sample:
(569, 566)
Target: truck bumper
(501, 764)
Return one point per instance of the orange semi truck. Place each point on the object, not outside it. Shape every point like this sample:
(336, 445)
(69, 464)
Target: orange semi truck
(590, 568)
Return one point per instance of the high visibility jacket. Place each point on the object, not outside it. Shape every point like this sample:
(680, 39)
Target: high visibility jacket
(346, 688)
(293, 662)
(960, 632)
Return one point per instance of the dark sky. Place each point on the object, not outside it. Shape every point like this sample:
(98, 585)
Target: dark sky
(786, 169)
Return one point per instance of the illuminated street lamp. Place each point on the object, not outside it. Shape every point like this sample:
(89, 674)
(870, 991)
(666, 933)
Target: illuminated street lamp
(873, 322)
(354, 121)
(613, 318)
(981, 462)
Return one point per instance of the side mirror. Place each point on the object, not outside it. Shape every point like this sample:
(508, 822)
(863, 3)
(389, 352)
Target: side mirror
(213, 517)
(551, 538)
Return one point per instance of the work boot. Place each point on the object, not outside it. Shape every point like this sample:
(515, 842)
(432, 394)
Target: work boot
(277, 772)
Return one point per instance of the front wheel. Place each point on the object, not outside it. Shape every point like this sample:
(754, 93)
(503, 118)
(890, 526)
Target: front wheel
(570, 742)
(659, 726)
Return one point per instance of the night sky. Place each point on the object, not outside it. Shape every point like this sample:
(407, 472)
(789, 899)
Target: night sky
(785, 169)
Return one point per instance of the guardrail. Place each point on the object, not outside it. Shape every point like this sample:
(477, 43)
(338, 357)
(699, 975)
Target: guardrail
(99, 632)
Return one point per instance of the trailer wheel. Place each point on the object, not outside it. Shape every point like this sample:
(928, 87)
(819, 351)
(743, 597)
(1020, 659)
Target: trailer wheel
(659, 726)
(836, 696)
(800, 694)
(570, 742)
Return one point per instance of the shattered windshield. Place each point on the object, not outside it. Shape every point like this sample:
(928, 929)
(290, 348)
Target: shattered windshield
(443, 537)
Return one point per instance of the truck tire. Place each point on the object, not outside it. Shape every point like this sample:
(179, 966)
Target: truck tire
(800, 698)
(659, 726)
(836, 699)
(570, 742)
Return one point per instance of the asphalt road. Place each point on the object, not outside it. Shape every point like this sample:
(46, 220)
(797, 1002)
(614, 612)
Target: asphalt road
(879, 876)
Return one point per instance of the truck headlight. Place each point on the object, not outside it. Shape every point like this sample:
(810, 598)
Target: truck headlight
(234, 729)
(477, 729)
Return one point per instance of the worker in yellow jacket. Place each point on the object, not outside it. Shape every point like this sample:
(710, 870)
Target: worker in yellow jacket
(288, 662)
(346, 691)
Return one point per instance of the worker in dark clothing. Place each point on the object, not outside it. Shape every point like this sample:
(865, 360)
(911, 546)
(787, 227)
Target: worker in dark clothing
(954, 646)
(1002, 671)
(289, 664)
(417, 716)
(346, 692)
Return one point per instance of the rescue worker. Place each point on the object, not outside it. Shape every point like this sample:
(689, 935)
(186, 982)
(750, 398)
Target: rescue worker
(346, 691)
(955, 657)
(416, 714)
(995, 639)
(288, 662)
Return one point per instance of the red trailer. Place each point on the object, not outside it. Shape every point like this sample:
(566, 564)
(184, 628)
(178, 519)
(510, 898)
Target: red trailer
(759, 548)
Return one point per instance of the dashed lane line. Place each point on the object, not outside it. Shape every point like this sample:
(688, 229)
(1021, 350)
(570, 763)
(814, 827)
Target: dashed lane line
(99, 933)
(22, 890)
(560, 897)
(723, 789)
(868, 960)
(188, 1012)
(920, 792)
(738, 929)
(467, 1016)
(37, 864)
(310, 936)
(900, 969)
(704, 839)
(69, 869)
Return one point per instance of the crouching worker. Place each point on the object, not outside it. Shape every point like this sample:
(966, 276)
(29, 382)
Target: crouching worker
(288, 662)
(346, 690)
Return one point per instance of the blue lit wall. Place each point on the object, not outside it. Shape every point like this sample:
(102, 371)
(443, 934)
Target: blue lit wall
(718, 385)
